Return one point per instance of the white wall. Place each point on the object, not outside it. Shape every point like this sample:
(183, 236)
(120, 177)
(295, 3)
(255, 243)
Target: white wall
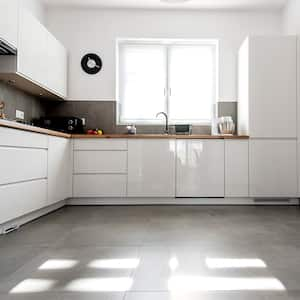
(37, 9)
(95, 30)
(291, 17)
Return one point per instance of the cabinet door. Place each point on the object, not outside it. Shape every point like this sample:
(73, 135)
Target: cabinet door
(22, 164)
(272, 87)
(57, 66)
(32, 51)
(200, 168)
(9, 20)
(273, 168)
(151, 168)
(236, 168)
(22, 198)
(59, 169)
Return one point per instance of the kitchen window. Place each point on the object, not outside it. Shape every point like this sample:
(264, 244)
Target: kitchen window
(177, 77)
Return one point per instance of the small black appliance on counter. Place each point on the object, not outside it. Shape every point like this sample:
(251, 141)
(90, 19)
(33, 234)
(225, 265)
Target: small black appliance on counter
(63, 124)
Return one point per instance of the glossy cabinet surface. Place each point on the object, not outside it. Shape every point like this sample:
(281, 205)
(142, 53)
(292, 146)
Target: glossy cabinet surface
(22, 198)
(273, 168)
(9, 21)
(100, 144)
(151, 168)
(21, 164)
(41, 58)
(268, 87)
(24, 139)
(200, 168)
(99, 185)
(59, 169)
(236, 168)
(100, 162)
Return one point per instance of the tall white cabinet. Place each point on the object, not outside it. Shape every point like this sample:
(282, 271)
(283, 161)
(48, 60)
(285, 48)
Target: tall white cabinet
(267, 110)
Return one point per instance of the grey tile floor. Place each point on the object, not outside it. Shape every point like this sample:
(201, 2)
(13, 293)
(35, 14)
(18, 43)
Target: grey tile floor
(154, 253)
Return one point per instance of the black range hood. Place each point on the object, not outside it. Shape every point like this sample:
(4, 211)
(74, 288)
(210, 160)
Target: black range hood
(6, 49)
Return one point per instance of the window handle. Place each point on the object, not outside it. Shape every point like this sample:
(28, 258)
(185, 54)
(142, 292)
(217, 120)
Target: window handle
(170, 91)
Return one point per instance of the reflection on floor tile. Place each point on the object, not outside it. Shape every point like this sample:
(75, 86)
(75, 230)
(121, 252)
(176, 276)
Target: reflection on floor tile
(157, 253)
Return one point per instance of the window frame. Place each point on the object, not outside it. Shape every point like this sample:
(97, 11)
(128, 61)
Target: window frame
(166, 43)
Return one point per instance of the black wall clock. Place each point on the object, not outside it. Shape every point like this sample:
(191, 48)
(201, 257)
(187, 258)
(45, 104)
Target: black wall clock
(91, 63)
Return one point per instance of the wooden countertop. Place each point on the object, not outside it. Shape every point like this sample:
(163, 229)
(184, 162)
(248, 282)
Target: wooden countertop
(157, 136)
(20, 126)
(25, 127)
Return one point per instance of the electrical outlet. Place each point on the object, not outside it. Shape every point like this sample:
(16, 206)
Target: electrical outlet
(19, 114)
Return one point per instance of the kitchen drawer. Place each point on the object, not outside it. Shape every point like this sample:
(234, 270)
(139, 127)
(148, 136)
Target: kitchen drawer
(18, 138)
(100, 144)
(100, 162)
(22, 198)
(99, 185)
(22, 164)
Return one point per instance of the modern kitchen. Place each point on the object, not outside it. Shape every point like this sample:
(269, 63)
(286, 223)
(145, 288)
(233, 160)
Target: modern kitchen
(149, 149)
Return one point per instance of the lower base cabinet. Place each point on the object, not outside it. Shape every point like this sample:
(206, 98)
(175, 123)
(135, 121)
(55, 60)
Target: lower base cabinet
(99, 185)
(151, 167)
(59, 169)
(273, 168)
(200, 168)
(236, 168)
(22, 198)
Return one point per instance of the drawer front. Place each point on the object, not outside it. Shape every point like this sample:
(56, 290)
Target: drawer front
(100, 185)
(19, 138)
(100, 144)
(100, 162)
(21, 164)
(22, 198)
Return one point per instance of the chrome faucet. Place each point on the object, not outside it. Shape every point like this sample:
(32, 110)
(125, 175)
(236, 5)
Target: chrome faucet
(166, 131)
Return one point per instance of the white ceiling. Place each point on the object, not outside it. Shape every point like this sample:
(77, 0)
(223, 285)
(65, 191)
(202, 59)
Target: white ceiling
(157, 4)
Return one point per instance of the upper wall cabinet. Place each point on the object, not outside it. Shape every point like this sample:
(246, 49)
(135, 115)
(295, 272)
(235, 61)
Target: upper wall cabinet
(40, 66)
(9, 19)
(268, 87)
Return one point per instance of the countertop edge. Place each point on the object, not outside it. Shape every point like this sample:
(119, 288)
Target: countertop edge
(30, 128)
(158, 136)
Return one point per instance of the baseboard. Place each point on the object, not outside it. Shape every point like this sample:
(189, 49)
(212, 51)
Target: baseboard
(16, 223)
(180, 201)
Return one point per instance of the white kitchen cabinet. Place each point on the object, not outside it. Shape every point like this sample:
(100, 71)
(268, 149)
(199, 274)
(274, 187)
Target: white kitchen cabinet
(22, 198)
(24, 139)
(21, 164)
(57, 64)
(236, 168)
(59, 169)
(267, 84)
(9, 21)
(273, 168)
(151, 168)
(40, 66)
(200, 168)
(99, 185)
(32, 51)
(100, 162)
(100, 144)
(100, 168)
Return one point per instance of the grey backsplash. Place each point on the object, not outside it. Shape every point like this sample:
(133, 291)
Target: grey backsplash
(102, 114)
(16, 99)
(98, 114)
